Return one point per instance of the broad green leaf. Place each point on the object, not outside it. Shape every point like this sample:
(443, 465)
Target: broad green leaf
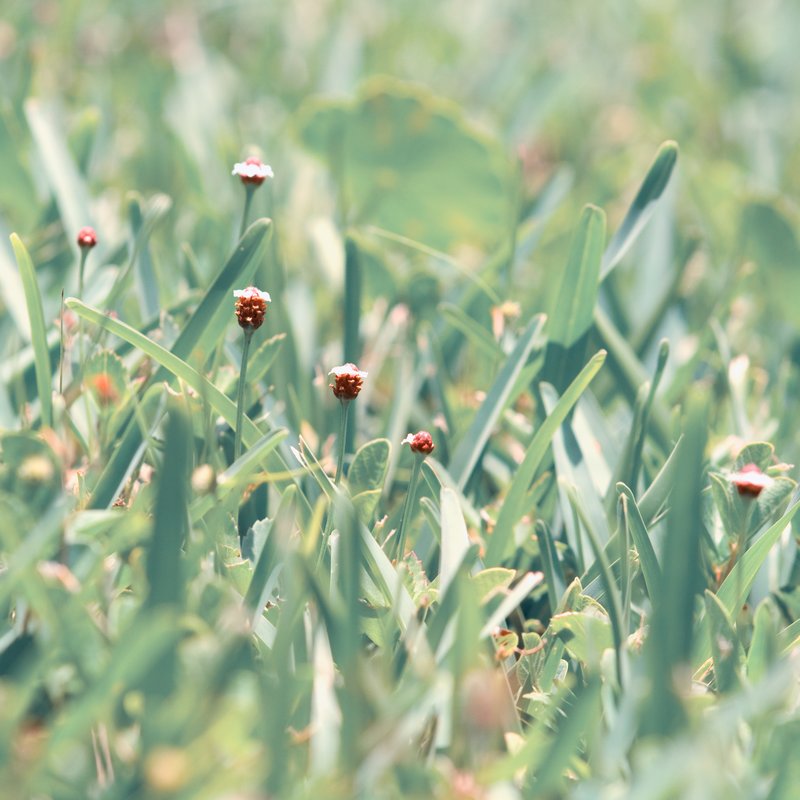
(571, 316)
(512, 509)
(469, 449)
(38, 329)
(368, 469)
(489, 581)
(643, 206)
(586, 634)
(408, 162)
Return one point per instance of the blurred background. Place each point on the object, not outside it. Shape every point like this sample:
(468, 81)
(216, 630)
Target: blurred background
(568, 103)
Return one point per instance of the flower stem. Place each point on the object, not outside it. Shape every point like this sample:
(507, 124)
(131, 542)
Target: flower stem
(342, 439)
(405, 518)
(237, 442)
(248, 199)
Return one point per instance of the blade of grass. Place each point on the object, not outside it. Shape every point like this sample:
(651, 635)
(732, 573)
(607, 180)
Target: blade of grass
(469, 449)
(38, 330)
(571, 316)
(648, 561)
(643, 206)
(512, 508)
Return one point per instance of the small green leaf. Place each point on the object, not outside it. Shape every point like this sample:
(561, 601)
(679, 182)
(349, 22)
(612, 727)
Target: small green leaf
(368, 470)
(586, 634)
(764, 646)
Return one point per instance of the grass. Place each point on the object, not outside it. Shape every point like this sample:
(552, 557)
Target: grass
(577, 272)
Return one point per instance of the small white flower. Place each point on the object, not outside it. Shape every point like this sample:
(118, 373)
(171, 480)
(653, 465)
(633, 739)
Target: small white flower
(251, 293)
(348, 369)
(252, 171)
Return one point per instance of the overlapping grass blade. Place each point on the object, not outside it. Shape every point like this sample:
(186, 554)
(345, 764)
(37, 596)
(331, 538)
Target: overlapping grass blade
(469, 449)
(512, 508)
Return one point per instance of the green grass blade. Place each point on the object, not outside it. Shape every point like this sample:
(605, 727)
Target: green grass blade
(33, 299)
(571, 316)
(469, 449)
(671, 632)
(513, 504)
(170, 518)
(171, 364)
(648, 561)
(551, 565)
(472, 330)
(203, 330)
(643, 206)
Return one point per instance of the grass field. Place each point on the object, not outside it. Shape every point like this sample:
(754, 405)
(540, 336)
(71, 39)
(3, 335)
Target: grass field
(451, 456)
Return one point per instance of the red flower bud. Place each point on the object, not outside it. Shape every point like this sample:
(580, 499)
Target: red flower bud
(750, 480)
(251, 307)
(87, 237)
(421, 442)
(348, 380)
(252, 171)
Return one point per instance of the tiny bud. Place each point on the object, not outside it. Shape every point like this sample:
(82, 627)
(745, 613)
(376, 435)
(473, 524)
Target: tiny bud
(421, 443)
(252, 171)
(36, 469)
(87, 237)
(750, 480)
(104, 389)
(204, 479)
(251, 307)
(348, 380)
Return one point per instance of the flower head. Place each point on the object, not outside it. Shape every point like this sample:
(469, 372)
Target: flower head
(251, 307)
(87, 237)
(252, 171)
(421, 443)
(750, 480)
(348, 380)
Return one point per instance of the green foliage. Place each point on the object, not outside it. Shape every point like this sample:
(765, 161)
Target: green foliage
(593, 598)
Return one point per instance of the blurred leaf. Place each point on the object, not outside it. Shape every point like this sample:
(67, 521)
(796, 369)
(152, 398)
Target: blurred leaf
(586, 634)
(455, 541)
(725, 646)
(409, 162)
(764, 646)
(643, 206)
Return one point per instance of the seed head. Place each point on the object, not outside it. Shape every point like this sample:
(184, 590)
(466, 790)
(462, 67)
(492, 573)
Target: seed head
(421, 443)
(750, 480)
(87, 238)
(252, 171)
(251, 307)
(347, 381)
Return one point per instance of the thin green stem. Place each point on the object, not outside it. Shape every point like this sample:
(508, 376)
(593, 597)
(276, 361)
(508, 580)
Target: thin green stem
(342, 439)
(248, 199)
(405, 518)
(237, 443)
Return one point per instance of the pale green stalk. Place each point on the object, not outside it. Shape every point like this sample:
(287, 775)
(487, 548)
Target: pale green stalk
(237, 443)
(407, 513)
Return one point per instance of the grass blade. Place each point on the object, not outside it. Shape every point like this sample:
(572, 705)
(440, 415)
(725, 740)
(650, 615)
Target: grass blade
(513, 505)
(469, 449)
(571, 316)
(648, 561)
(643, 206)
(33, 299)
